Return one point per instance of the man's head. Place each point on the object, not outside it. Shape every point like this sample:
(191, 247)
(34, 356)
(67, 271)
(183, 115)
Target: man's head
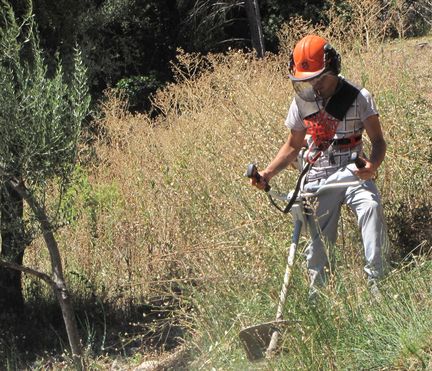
(314, 66)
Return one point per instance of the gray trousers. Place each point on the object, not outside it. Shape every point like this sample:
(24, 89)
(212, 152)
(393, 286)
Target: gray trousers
(365, 201)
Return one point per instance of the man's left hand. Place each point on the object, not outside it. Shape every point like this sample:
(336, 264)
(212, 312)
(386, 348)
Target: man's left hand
(367, 172)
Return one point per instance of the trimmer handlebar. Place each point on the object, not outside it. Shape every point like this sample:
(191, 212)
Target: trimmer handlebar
(298, 195)
(313, 192)
(252, 173)
(359, 162)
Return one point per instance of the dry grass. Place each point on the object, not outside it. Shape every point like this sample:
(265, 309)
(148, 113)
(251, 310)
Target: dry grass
(166, 206)
(168, 195)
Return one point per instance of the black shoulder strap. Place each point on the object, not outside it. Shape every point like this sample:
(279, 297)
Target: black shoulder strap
(339, 103)
(337, 106)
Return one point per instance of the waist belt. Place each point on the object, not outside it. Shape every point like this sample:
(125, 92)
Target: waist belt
(347, 142)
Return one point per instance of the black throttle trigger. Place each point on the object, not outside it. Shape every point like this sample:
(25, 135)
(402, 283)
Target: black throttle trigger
(358, 161)
(252, 173)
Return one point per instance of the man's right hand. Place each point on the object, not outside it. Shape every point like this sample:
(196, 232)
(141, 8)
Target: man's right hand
(261, 181)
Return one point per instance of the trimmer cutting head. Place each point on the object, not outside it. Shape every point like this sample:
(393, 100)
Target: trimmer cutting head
(256, 339)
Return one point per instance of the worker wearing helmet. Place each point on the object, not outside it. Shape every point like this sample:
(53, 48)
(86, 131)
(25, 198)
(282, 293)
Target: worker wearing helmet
(330, 115)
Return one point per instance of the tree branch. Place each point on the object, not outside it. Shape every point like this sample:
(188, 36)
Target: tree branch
(21, 268)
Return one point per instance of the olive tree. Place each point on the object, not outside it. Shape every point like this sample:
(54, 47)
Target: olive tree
(41, 112)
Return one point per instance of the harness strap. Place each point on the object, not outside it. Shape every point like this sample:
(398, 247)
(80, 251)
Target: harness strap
(348, 142)
(298, 185)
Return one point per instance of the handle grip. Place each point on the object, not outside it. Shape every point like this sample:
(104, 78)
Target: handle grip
(358, 161)
(252, 173)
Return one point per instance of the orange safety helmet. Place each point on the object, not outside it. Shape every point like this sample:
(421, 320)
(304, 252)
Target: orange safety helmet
(312, 56)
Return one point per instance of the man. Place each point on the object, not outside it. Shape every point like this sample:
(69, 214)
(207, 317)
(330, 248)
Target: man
(329, 115)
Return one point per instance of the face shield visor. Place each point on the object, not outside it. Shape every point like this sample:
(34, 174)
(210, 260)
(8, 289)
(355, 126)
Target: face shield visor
(304, 90)
(309, 89)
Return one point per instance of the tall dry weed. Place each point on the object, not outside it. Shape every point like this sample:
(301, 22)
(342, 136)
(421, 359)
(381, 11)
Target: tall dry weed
(166, 207)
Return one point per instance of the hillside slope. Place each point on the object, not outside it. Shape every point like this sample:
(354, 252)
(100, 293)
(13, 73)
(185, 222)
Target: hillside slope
(165, 218)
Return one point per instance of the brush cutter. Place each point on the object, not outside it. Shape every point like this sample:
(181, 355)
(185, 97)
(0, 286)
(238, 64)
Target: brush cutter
(261, 341)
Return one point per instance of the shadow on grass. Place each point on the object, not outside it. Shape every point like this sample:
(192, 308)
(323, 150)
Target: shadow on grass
(37, 337)
(410, 231)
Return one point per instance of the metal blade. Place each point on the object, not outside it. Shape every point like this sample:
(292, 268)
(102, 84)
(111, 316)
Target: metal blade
(256, 339)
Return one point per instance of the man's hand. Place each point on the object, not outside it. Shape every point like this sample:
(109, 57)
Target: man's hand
(367, 172)
(261, 181)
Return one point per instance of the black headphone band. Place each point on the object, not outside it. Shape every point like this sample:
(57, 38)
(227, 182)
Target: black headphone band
(332, 59)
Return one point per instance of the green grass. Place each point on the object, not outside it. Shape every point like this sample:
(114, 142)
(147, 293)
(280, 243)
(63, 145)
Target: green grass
(346, 330)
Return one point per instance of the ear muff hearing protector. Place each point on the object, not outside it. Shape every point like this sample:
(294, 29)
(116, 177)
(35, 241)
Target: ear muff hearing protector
(332, 59)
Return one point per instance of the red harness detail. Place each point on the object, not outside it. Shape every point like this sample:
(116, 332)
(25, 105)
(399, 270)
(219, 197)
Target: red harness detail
(321, 127)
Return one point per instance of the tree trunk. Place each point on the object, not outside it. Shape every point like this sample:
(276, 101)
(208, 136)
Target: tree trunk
(59, 284)
(12, 249)
(254, 19)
